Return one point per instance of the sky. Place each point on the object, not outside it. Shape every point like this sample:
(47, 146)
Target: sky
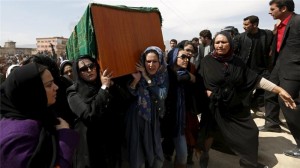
(23, 21)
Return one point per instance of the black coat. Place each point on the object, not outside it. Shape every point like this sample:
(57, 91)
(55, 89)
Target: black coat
(254, 50)
(288, 59)
(231, 83)
(99, 121)
(196, 100)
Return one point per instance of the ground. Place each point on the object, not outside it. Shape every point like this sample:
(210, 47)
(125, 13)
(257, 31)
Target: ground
(270, 152)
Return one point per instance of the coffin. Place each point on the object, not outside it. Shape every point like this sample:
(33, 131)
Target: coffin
(116, 36)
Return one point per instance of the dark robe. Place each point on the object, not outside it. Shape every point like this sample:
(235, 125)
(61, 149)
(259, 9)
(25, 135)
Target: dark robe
(99, 120)
(231, 82)
(143, 136)
(23, 97)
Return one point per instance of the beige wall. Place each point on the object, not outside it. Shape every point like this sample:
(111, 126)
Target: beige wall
(59, 44)
(13, 51)
(42, 44)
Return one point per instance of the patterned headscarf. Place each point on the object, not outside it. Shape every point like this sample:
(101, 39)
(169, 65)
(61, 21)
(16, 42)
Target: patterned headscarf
(144, 95)
(163, 64)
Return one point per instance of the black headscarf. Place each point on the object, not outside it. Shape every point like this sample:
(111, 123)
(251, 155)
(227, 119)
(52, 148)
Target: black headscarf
(86, 89)
(23, 96)
(228, 56)
(66, 80)
(61, 106)
(62, 66)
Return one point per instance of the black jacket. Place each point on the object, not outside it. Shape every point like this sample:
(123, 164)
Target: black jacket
(254, 50)
(99, 121)
(289, 55)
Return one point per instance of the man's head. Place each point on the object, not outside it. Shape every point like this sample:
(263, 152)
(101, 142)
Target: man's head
(232, 30)
(250, 24)
(280, 9)
(195, 40)
(205, 37)
(173, 43)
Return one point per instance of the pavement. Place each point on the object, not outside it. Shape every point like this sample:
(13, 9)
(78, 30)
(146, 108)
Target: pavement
(270, 152)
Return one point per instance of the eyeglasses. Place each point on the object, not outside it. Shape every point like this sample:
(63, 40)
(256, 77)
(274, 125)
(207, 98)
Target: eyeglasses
(86, 68)
(183, 57)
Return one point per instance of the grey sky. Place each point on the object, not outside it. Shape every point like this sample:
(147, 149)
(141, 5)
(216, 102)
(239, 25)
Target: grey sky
(24, 20)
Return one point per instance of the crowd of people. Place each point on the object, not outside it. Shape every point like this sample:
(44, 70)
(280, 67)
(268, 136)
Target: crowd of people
(76, 114)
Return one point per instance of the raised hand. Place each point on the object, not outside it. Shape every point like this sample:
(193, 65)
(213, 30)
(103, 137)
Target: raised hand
(137, 76)
(105, 77)
(139, 67)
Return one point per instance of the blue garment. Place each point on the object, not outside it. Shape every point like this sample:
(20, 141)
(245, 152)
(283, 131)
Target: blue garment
(159, 79)
(181, 149)
(142, 121)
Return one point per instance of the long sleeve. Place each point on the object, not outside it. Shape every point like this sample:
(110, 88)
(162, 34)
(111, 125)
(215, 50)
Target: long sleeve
(266, 84)
(18, 141)
(89, 110)
(68, 140)
(183, 76)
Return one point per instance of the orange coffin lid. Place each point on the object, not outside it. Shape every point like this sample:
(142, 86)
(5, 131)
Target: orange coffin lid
(122, 35)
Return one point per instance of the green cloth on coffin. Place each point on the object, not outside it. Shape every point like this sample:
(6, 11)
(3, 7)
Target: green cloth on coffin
(83, 40)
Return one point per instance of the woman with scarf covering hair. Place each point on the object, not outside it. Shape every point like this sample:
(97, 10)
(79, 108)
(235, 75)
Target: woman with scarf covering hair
(181, 104)
(98, 104)
(229, 82)
(149, 86)
(61, 106)
(66, 72)
(30, 134)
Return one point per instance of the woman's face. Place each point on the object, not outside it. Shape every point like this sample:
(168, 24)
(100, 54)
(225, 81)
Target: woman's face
(50, 87)
(190, 50)
(68, 71)
(152, 63)
(221, 45)
(87, 70)
(183, 59)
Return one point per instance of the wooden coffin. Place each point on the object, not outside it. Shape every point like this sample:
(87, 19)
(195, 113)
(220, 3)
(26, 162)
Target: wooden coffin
(121, 35)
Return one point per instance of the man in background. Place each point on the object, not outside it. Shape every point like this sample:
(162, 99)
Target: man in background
(253, 47)
(286, 72)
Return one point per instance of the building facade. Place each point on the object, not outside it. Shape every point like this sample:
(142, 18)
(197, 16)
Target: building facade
(59, 45)
(10, 49)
